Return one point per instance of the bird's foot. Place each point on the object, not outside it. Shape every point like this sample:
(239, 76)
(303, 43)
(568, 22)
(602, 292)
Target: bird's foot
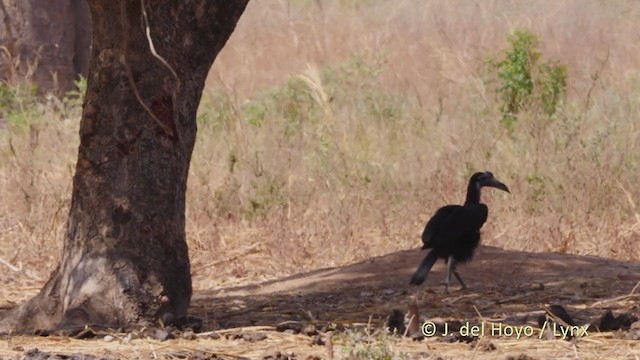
(446, 287)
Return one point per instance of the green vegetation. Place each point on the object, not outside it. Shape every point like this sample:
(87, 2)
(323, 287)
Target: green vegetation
(359, 345)
(525, 83)
(18, 103)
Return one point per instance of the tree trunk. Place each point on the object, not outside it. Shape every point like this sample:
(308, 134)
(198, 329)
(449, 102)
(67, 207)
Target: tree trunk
(125, 260)
(51, 39)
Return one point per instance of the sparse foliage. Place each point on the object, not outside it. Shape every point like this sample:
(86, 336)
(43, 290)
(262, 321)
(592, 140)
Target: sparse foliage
(521, 76)
(552, 82)
(360, 345)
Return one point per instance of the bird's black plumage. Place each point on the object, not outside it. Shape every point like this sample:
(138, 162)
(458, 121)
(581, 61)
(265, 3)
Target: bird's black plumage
(453, 232)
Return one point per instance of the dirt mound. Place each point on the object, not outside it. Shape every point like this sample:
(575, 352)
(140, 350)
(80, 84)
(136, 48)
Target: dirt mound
(579, 294)
(501, 283)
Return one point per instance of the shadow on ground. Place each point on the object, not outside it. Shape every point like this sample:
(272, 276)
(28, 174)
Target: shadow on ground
(501, 284)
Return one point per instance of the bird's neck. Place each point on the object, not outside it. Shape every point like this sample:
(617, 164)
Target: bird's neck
(473, 194)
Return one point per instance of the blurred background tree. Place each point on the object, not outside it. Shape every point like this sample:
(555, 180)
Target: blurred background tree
(46, 42)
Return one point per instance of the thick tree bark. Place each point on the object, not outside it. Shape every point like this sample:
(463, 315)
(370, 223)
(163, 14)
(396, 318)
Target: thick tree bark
(125, 259)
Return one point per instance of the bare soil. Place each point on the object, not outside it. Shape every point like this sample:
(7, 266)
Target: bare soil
(504, 286)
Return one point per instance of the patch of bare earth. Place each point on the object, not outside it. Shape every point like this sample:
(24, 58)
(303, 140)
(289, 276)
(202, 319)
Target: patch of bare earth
(292, 316)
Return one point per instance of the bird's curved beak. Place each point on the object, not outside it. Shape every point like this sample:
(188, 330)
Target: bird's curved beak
(497, 184)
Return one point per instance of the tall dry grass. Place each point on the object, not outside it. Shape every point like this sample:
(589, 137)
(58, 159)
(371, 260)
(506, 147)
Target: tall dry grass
(330, 131)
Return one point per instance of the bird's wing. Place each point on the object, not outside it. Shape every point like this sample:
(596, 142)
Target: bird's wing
(437, 223)
(452, 222)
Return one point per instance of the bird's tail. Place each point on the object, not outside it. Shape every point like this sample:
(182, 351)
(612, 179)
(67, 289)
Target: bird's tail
(423, 270)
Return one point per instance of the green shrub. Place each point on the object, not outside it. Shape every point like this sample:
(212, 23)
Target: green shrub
(365, 345)
(552, 82)
(526, 84)
(18, 103)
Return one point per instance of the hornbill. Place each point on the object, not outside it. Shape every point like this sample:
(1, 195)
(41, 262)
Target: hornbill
(453, 232)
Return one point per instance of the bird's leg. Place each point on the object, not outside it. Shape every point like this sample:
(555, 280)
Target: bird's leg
(455, 272)
(447, 277)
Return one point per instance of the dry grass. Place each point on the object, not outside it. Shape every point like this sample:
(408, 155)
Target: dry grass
(361, 295)
(345, 347)
(330, 131)
(409, 118)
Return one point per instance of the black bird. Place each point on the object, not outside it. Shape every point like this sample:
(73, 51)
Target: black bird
(453, 232)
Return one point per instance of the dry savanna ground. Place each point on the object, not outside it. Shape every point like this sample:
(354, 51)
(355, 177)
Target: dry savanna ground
(329, 132)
